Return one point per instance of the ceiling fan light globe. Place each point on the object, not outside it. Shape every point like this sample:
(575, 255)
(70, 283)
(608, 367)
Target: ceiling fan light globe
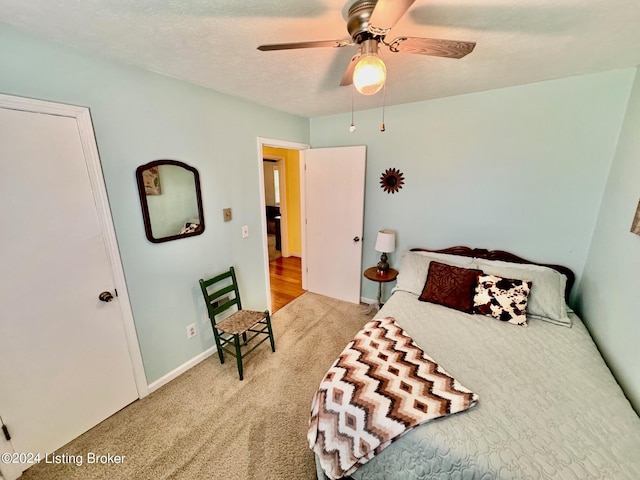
(369, 74)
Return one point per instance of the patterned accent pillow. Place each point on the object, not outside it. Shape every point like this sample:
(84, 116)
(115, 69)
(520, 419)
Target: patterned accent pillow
(450, 286)
(547, 298)
(502, 298)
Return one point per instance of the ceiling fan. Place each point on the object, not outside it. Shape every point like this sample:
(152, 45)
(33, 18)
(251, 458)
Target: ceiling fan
(368, 23)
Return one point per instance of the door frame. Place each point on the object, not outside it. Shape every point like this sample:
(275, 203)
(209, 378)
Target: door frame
(82, 116)
(301, 147)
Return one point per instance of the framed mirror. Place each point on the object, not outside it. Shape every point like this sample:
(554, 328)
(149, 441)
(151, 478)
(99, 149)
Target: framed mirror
(170, 199)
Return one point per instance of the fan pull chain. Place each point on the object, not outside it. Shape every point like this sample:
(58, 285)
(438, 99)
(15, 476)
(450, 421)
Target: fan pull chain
(384, 97)
(352, 127)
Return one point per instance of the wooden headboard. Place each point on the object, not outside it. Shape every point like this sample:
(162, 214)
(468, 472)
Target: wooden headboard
(505, 257)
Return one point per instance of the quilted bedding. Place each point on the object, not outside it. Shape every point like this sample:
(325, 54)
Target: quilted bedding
(550, 408)
(381, 386)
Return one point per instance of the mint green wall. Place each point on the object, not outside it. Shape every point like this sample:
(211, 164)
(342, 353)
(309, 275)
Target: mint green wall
(138, 117)
(611, 279)
(521, 169)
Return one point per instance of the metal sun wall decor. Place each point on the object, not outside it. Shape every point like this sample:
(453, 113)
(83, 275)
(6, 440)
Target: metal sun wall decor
(391, 180)
(635, 226)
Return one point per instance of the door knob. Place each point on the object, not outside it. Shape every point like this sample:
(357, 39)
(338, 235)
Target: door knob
(105, 297)
(356, 239)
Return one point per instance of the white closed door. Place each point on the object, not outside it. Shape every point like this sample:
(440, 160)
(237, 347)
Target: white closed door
(334, 209)
(65, 363)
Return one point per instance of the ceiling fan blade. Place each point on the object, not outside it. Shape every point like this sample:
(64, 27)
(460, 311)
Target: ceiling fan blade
(432, 46)
(347, 78)
(291, 46)
(386, 14)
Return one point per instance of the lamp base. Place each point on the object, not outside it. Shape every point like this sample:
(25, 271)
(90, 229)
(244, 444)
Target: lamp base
(383, 265)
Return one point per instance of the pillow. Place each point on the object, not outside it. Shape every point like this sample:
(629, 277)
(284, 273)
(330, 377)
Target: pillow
(414, 267)
(546, 299)
(502, 298)
(450, 286)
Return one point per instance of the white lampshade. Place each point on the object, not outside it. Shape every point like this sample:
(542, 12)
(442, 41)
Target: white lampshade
(386, 241)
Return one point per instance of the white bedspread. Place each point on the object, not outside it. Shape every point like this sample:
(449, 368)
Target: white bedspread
(550, 407)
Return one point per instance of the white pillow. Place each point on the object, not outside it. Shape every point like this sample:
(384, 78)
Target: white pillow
(546, 300)
(414, 267)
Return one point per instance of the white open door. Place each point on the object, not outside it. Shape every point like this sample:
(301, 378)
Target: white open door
(334, 208)
(66, 362)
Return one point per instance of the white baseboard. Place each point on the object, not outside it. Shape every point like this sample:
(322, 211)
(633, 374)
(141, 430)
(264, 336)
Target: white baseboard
(181, 369)
(367, 300)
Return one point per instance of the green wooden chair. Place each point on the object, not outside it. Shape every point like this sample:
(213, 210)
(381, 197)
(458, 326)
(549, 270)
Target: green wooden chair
(239, 328)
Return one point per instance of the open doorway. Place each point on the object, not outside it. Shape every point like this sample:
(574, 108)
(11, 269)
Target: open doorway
(282, 216)
(332, 224)
(275, 202)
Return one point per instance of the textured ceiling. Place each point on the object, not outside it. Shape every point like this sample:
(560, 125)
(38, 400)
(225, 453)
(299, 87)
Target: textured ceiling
(213, 43)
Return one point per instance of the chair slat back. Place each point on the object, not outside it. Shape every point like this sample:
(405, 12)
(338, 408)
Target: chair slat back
(220, 292)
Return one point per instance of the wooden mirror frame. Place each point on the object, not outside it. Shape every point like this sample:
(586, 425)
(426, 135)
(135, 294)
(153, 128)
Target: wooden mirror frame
(145, 206)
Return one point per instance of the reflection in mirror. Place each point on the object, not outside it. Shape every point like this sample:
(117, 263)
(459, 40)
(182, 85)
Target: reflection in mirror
(170, 199)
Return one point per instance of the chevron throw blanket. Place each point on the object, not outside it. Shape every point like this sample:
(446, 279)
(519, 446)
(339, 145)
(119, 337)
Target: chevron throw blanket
(379, 388)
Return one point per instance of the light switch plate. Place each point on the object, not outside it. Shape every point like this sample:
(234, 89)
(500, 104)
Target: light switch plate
(245, 231)
(226, 214)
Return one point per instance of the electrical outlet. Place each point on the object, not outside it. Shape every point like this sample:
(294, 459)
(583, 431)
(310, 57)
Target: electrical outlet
(191, 330)
(245, 231)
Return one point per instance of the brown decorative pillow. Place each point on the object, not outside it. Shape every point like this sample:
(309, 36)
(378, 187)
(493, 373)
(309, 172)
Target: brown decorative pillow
(451, 286)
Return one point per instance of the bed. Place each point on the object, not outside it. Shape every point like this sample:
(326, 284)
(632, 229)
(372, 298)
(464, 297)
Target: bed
(548, 406)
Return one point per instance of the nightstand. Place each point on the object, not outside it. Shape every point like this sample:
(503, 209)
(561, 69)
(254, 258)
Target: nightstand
(373, 274)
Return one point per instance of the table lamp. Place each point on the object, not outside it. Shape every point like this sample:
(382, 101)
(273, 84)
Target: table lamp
(385, 243)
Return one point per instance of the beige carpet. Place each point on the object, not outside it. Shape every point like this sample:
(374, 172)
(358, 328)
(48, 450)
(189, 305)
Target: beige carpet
(206, 424)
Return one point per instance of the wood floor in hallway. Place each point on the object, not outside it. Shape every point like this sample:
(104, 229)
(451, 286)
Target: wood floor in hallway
(285, 274)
